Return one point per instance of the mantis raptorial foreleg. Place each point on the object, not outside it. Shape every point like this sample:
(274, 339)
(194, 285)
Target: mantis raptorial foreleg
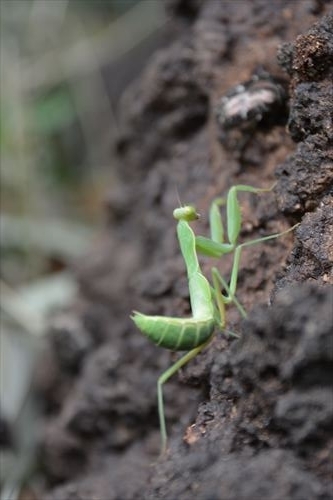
(216, 247)
(208, 303)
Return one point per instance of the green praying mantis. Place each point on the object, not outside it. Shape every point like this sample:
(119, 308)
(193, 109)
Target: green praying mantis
(208, 303)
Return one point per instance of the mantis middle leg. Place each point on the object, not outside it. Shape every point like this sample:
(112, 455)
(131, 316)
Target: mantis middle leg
(231, 290)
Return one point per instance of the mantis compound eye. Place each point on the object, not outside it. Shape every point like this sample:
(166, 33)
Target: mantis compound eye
(187, 213)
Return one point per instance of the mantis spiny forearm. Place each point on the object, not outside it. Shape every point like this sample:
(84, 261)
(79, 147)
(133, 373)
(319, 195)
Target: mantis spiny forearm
(207, 302)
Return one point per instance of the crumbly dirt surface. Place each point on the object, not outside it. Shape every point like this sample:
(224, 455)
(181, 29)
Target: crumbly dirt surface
(250, 418)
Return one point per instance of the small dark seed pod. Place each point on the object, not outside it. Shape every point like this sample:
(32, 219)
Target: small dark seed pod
(248, 103)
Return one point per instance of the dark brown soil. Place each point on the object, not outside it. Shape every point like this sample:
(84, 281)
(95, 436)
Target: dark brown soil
(247, 419)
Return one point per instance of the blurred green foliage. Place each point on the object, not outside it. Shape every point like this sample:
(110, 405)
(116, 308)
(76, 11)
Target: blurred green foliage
(53, 111)
(57, 116)
(57, 124)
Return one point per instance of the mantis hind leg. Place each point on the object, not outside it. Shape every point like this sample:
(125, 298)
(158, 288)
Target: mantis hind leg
(223, 300)
(164, 378)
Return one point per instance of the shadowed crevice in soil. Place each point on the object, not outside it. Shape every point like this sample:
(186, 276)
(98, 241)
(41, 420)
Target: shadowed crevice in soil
(260, 407)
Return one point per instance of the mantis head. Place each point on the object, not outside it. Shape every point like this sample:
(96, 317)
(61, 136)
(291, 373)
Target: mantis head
(186, 213)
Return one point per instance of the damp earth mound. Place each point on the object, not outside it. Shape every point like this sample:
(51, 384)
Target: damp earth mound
(249, 418)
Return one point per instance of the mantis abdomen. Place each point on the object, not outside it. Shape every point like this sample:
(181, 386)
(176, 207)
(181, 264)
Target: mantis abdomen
(177, 334)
